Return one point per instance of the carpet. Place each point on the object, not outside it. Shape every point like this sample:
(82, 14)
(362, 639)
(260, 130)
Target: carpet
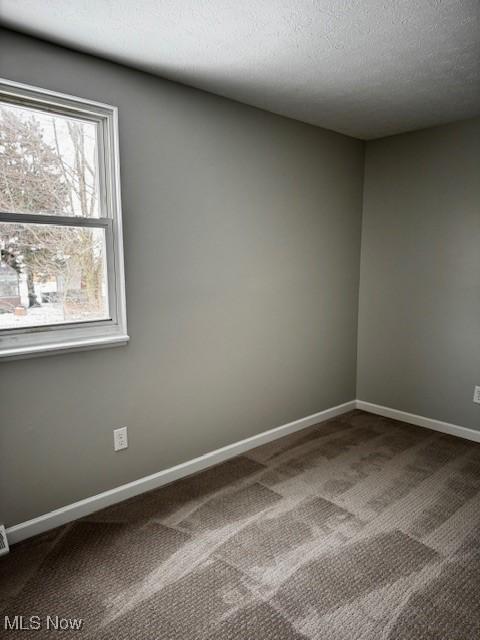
(359, 528)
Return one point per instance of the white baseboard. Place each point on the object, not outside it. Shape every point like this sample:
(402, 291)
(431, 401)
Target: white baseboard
(89, 505)
(421, 421)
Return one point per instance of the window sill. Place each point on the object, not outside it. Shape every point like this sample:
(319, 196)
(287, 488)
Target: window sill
(55, 348)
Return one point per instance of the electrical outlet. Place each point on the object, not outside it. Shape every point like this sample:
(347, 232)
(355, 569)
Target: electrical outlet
(476, 395)
(120, 438)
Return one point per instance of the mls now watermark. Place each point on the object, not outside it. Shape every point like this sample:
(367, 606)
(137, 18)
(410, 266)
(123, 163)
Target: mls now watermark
(35, 623)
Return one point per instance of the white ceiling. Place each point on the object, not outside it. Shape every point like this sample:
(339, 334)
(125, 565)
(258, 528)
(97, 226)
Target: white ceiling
(367, 68)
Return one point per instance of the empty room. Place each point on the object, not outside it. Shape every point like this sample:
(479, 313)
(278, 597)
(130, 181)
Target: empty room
(240, 319)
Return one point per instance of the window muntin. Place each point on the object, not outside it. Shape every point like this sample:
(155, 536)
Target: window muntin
(60, 223)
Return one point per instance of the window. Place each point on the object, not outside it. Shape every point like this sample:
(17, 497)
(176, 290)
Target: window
(61, 260)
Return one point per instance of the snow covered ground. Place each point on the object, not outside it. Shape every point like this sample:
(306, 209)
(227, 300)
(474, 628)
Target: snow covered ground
(46, 314)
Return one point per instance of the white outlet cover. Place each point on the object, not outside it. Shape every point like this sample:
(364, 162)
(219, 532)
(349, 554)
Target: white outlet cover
(120, 439)
(476, 395)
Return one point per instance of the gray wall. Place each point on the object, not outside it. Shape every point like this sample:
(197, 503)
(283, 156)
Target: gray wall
(419, 321)
(242, 241)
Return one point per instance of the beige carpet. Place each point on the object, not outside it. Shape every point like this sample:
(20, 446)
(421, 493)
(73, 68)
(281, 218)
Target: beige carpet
(362, 528)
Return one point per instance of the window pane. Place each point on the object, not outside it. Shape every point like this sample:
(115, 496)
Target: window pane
(48, 163)
(51, 274)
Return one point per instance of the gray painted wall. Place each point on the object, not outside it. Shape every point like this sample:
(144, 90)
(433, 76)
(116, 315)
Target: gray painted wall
(419, 320)
(242, 242)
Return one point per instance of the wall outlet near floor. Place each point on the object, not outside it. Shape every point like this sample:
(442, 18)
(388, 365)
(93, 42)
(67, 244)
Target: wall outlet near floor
(4, 548)
(476, 394)
(120, 438)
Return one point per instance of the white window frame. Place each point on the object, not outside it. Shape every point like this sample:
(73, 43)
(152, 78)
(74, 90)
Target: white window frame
(40, 340)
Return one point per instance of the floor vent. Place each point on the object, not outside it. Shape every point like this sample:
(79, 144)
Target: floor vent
(3, 541)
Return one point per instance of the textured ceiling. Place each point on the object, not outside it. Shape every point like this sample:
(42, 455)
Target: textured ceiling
(367, 68)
